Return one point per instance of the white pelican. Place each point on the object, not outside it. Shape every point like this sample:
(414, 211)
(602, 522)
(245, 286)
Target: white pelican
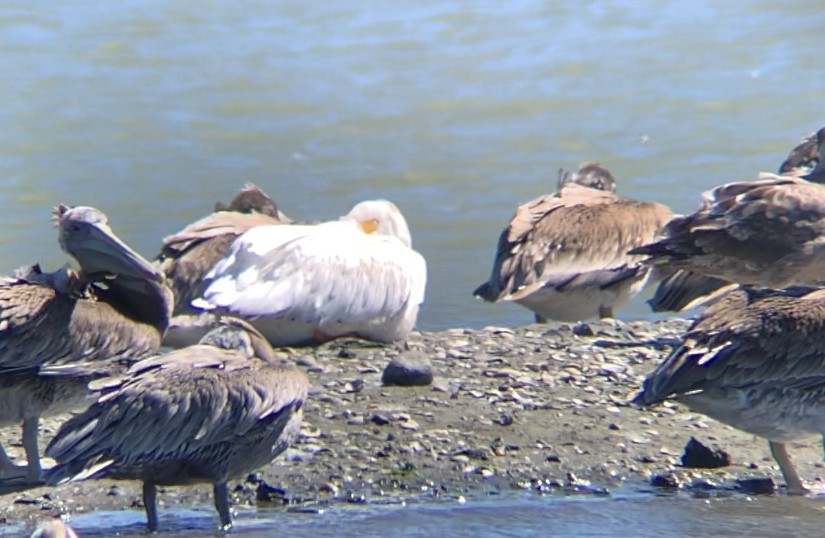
(205, 413)
(308, 283)
(754, 360)
(564, 255)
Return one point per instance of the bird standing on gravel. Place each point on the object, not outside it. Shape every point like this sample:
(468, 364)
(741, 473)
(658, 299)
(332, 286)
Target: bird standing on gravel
(754, 360)
(204, 413)
(60, 330)
(564, 255)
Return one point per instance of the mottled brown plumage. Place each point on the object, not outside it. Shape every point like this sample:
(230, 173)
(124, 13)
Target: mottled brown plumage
(188, 255)
(58, 330)
(765, 233)
(682, 289)
(564, 255)
(754, 360)
(803, 160)
(205, 413)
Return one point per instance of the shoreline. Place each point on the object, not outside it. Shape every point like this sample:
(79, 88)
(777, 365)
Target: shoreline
(539, 408)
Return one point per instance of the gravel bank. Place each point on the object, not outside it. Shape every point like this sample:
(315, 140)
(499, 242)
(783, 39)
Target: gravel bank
(541, 407)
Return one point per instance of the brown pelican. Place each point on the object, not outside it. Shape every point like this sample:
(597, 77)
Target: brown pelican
(683, 290)
(205, 413)
(187, 256)
(754, 360)
(58, 330)
(803, 160)
(564, 255)
(301, 284)
(762, 233)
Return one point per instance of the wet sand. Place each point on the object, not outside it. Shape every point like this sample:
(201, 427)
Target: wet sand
(540, 408)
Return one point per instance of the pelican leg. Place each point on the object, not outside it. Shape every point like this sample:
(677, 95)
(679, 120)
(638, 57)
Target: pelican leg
(30, 427)
(605, 312)
(8, 470)
(792, 481)
(221, 492)
(150, 494)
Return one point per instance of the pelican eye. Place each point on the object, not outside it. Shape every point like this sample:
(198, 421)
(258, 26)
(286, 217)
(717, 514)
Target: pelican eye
(369, 225)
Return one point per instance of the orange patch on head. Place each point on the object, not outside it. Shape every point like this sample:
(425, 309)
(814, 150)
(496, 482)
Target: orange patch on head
(369, 226)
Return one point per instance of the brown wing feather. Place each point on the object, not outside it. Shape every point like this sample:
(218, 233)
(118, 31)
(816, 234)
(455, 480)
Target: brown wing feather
(213, 225)
(762, 233)
(188, 255)
(765, 337)
(40, 327)
(201, 396)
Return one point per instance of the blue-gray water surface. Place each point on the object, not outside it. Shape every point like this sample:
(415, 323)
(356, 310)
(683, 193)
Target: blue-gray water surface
(513, 515)
(457, 111)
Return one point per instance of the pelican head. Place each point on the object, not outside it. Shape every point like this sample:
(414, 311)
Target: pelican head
(817, 175)
(381, 217)
(85, 235)
(803, 159)
(252, 199)
(237, 334)
(591, 175)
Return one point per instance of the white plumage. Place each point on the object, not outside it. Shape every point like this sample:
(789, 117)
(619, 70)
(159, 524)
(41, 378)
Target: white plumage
(299, 283)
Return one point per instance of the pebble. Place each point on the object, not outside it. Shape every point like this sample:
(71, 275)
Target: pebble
(411, 369)
(552, 390)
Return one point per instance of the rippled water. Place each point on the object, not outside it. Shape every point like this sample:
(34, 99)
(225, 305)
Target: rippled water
(516, 515)
(457, 111)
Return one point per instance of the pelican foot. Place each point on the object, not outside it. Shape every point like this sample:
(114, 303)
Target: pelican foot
(797, 489)
(20, 475)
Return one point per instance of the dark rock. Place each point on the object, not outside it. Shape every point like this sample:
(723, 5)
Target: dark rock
(665, 480)
(553, 458)
(757, 486)
(381, 420)
(583, 329)
(408, 370)
(353, 498)
(475, 453)
(698, 456)
(703, 484)
(267, 493)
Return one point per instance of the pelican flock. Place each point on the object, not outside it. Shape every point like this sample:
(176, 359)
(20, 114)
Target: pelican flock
(225, 403)
(565, 255)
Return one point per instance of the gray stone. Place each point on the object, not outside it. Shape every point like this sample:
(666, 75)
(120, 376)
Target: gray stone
(409, 369)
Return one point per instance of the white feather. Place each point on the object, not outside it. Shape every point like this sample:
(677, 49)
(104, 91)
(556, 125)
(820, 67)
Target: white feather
(332, 276)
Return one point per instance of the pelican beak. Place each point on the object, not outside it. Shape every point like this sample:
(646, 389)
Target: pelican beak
(101, 251)
(84, 233)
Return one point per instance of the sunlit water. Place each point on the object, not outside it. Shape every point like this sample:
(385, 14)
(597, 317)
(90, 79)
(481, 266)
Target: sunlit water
(457, 111)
